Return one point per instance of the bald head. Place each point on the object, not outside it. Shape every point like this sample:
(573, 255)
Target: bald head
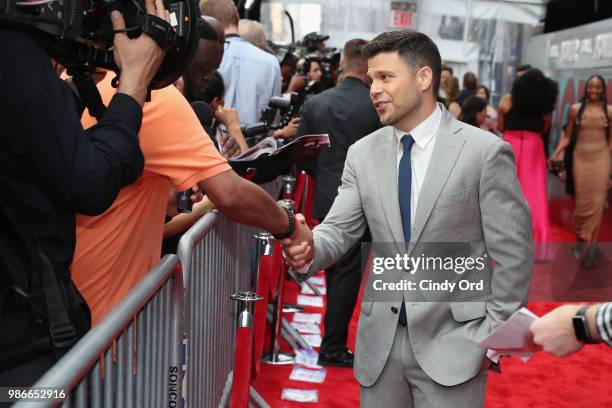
(255, 33)
(217, 26)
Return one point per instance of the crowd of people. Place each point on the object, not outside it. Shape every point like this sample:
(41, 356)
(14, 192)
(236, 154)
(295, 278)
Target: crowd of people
(99, 205)
(523, 119)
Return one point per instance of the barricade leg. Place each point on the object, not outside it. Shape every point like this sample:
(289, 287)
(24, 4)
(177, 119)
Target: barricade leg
(264, 275)
(275, 356)
(243, 359)
(288, 188)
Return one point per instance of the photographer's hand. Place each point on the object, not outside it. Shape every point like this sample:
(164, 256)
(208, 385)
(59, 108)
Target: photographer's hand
(229, 118)
(140, 58)
(288, 131)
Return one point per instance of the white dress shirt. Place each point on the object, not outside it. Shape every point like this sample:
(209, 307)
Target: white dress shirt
(424, 136)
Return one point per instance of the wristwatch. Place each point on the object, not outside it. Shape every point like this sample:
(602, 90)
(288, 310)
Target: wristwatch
(581, 327)
(290, 228)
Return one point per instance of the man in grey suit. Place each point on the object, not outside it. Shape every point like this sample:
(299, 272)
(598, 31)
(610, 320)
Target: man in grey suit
(424, 178)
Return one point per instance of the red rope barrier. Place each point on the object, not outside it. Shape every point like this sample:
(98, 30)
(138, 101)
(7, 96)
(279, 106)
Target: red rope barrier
(241, 382)
(261, 310)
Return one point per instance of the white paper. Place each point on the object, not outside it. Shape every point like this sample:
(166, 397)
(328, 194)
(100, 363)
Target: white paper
(307, 375)
(313, 340)
(291, 394)
(305, 300)
(314, 318)
(306, 327)
(512, 337)
(317, 280)
(308, 358)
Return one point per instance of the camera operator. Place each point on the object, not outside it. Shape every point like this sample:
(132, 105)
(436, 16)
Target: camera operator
(314, 42)
(288, 67)
(51, 169)
(308, 79)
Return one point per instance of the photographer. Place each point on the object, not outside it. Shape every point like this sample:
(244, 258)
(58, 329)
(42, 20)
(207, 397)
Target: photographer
(51, 169)
(314, 42)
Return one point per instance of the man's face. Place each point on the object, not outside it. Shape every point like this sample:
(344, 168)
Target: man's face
(393, 91)
(444, 74)
(207, 59)
(315, 73)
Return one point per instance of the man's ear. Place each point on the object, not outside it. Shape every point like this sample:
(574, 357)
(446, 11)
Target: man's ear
(424, 78)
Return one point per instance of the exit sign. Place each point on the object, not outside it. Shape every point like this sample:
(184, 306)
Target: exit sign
(402, 14)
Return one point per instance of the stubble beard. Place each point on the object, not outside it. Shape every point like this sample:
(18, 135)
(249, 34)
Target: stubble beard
(409, 108)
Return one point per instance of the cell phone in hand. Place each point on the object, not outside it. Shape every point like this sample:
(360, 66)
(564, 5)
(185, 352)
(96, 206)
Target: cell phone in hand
(557, 166)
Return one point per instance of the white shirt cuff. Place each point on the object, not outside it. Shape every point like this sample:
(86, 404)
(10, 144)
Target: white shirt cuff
(493, 356)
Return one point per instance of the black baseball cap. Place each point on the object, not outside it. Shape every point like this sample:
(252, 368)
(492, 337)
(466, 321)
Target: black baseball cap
(314, 37)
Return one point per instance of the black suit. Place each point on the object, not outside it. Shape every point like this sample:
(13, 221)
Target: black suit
(347, 114)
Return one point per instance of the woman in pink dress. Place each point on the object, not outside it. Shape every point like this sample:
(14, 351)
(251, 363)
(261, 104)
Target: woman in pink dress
(524, 117)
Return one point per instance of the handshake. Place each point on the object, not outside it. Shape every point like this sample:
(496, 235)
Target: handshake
(299, 251)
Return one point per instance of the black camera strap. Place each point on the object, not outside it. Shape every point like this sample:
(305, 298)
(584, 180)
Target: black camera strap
(33, 278)
(90, 96)
(157, 28)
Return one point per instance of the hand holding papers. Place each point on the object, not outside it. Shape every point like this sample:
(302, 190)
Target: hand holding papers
(513, 337)
(270, 160)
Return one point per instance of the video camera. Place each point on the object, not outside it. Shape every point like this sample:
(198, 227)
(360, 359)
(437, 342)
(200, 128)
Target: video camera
(330, 64)
(287, 109)
(68, 29)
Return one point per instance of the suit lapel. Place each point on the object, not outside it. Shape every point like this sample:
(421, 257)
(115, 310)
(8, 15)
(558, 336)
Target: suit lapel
(446, 151)
(386, 177)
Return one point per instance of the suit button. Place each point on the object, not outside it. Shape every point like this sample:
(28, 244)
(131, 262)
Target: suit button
(394, 309)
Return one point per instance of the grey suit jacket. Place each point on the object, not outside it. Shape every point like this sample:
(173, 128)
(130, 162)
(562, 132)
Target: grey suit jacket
(470, 194)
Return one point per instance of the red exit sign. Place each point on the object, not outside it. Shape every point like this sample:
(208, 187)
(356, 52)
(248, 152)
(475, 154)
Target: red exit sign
(401, 18)
(402, 14)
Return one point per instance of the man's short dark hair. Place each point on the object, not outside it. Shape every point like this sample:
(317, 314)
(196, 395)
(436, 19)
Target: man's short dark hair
(289, 59)
(214, 88)
(523, 68)
(470, 81)
(354, 60)
(447, 68)
(415, 48)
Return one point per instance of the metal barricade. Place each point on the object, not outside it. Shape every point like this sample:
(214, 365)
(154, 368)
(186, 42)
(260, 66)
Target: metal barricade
(216, 257)
(132, 358)
(209, 258)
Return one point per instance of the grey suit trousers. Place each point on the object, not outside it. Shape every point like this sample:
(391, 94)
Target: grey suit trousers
(403, 384)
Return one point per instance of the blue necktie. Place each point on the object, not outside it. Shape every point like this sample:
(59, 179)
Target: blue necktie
(404, 188)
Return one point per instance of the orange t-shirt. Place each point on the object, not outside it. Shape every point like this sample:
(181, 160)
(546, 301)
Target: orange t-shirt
(116, 249)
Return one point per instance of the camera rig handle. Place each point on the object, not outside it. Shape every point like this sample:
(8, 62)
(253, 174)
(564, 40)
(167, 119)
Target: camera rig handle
(157, 28)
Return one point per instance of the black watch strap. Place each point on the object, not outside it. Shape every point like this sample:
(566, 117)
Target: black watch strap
(290, 228)
(581, 326)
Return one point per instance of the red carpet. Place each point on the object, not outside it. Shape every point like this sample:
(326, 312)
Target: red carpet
(582, 380)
